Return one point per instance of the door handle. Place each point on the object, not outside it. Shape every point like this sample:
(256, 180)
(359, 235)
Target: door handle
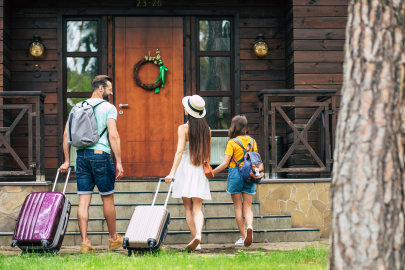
(123, 105)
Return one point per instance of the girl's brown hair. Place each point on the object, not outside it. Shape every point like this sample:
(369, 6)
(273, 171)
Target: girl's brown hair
(199, 136)
(239, 127)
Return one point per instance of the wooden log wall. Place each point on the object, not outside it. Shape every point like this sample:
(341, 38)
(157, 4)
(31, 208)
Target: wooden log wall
(25, 24)
(315, 37)
(258, 73)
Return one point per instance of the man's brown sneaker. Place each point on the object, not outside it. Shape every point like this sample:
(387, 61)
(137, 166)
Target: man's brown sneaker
(86, 248)
(115, 244)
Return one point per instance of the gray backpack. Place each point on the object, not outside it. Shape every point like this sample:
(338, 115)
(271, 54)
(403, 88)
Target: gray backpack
(82, 125)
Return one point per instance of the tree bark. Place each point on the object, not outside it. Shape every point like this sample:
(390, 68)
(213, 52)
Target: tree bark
(368, 174)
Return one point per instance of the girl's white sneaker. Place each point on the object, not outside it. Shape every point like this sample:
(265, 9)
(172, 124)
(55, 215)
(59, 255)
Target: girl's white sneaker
(240, 242)
(198, 248)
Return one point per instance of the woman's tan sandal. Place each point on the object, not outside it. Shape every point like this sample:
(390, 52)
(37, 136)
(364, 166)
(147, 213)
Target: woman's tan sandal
(86, 248)
(115, 244)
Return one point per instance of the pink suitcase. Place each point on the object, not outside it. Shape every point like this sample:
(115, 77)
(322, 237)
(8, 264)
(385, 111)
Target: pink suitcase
(43, 219)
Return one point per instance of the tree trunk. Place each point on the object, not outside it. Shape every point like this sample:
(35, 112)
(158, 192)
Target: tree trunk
(368, 175)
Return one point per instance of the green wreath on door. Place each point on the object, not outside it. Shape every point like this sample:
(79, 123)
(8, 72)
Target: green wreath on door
(160, 82)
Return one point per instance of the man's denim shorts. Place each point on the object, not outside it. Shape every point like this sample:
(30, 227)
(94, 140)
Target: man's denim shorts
(94, 169)
(236, 185)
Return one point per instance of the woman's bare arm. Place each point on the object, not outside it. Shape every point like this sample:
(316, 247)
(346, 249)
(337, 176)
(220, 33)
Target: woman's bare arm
(182, 133)
(223, 166)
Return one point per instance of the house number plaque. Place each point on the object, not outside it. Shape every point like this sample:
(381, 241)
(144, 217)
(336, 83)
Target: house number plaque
(149, 3)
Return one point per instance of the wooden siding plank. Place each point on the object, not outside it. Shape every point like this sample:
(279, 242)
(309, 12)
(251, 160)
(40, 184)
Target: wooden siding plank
(313, 56)
(29, 33)
(257, 86)
(320, 2)
(318, 78)
(261, 12)
(27, 76)
(276, 75)
(269, 33)
(262, 65)
(36, 23)
(46, 87)
(319, 34)
(319, 11)
(254, 22)
(319, 68)
(320, 22)
(318, 45)
(29, 65)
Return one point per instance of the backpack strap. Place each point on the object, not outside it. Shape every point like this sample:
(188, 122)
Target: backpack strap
(102, 133)
(239, 143)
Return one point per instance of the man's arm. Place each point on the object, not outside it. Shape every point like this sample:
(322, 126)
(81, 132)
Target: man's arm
(115, 145)
(66, 150)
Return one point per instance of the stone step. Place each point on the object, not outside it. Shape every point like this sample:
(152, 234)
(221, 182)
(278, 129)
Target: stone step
(218, 209)
(138, 186)
(180, 224)
(208, 237)
(147, 197)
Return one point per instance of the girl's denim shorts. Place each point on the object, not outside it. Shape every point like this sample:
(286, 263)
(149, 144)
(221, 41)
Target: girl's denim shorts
(236, 185)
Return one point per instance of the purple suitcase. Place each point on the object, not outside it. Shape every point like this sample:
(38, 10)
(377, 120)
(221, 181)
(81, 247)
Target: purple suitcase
(43, 219)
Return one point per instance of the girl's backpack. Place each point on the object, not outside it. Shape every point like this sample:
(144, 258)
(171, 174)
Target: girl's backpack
(252, 170)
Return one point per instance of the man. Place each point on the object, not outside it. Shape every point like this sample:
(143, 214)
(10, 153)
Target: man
(95, 167)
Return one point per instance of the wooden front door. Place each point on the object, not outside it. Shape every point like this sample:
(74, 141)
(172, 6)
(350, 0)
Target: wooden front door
(148, 125)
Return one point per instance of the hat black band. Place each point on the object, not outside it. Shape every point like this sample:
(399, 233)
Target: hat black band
(194, 109)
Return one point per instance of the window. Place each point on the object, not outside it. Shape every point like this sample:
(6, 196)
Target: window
(81, 60)
(215, 79)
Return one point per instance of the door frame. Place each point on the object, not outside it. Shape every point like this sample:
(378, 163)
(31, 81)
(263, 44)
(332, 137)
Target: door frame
(108, 36)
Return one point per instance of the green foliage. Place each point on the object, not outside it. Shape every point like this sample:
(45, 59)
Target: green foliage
(307, 258)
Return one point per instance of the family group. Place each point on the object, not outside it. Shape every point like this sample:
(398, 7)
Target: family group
(94, 167)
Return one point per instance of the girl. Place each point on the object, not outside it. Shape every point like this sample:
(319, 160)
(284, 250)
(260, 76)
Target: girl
(235, 186)
(193, 150)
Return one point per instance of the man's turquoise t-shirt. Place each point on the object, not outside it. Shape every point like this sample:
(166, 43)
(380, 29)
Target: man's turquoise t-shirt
(102, 112)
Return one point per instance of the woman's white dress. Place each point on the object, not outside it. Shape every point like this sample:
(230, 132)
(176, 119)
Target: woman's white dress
(189, 180)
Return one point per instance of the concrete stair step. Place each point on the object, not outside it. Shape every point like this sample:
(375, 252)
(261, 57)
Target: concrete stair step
(138, 186)
(123, 211)
(147, 197)
(208, 237)
(180, 224)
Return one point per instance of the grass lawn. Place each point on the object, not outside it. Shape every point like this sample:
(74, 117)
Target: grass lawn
(307, 258)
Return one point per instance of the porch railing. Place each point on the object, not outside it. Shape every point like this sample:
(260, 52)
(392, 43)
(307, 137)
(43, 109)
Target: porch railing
(325, 105)
(31, 110)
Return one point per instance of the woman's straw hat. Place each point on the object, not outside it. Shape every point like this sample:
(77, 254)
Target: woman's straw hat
(195, 106)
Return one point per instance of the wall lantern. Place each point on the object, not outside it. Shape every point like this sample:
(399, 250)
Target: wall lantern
(36, 49)
(260, 48)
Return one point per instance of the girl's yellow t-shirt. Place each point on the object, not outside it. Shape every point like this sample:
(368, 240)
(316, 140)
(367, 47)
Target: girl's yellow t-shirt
(232, 148)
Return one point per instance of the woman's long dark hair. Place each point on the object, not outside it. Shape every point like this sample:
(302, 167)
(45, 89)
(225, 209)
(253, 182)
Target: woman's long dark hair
(239, 127)
(199, 136)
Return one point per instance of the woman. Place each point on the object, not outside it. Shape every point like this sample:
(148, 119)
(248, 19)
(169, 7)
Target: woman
(235, 186)
(193, 150)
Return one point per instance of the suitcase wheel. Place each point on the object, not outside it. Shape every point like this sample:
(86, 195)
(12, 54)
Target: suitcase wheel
(45, 243)
(14, 243)
(129, 253)
(125, 243)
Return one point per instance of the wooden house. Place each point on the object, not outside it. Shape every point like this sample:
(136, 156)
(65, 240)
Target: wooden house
(207, 47)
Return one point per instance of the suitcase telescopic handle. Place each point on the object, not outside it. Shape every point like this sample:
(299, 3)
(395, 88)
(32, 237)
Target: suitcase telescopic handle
(67, 178)
(157, 191)
(56, 180)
